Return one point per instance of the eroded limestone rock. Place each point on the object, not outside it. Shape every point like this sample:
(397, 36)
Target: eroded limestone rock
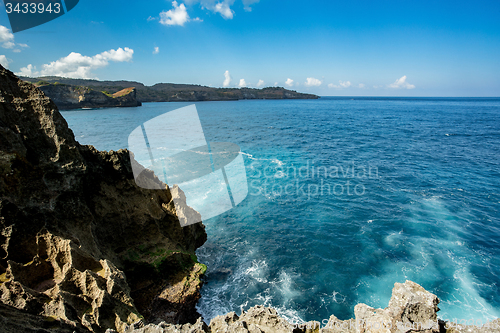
(79, 240)
(411, 309)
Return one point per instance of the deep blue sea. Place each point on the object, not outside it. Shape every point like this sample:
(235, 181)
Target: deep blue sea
(346, 197)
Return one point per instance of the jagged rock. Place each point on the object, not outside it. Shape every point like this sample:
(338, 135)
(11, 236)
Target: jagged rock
(13, 320)
(257, 319)
(79, 240)
(186, 216)
(336, 325)
(411, 309)
(198, 327)
(411, 304)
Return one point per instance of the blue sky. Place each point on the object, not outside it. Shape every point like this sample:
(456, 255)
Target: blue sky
(330, 48)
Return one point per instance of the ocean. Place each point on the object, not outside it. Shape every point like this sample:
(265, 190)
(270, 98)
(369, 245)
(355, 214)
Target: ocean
(346, 197)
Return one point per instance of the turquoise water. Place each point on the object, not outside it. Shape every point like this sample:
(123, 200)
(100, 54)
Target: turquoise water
(346, 197)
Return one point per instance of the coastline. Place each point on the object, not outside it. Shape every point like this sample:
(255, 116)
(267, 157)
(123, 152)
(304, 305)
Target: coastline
(65, 163)
(79, 93)
(410, 309)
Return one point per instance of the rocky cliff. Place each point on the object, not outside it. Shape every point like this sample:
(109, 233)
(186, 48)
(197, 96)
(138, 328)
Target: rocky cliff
(76, 97)
(82, 247)
(170, 92)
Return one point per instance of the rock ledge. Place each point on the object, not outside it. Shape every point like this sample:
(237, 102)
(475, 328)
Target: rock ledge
(411, 309)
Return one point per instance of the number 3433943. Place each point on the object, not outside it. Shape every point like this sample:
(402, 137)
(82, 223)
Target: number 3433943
(33, 7)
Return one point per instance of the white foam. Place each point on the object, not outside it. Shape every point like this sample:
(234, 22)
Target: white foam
(338, 297)
(436, 253)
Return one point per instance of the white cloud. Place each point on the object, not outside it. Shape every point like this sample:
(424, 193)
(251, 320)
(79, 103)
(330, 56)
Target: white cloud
(275, 84)
(118, 55)
(7, 40)
(342, 84)
(242, 83)
(345, 84)
(29, 71)
(260, 83)
(312, 82)
(197, 19)
(361, 85)
(401, 84)
(176, 16)
(79, 66)
(224, 8)
(151, 18)
(8, 45)
(156, 50)
(289, 82)
(4, 61)
(248, 3)
(6, 37)
(227, 79)
(216, 6)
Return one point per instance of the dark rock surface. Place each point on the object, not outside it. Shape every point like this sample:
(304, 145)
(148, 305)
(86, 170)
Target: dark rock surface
(82, 247)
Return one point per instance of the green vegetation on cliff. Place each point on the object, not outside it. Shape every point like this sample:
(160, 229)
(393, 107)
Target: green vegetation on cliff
(68, 96)
(170, 92)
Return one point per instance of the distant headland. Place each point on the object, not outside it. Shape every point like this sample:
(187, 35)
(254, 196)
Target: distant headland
(83, 93)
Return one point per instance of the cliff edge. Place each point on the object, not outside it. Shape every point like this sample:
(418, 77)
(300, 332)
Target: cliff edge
(82, 247)
(162, 92)
(76, 97)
